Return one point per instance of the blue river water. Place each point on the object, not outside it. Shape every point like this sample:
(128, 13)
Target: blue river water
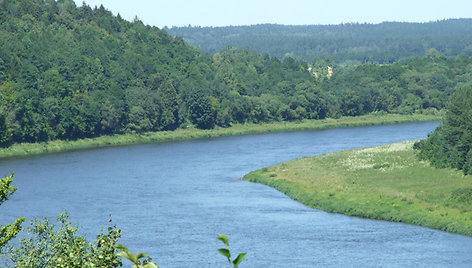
(171, 200)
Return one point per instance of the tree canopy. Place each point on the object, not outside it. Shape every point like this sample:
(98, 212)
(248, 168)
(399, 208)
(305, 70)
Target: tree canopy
(69, 72)
(387, 42)
(450, 145)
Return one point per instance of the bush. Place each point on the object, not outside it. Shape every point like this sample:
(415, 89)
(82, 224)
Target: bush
(11, 230)
(49, 246)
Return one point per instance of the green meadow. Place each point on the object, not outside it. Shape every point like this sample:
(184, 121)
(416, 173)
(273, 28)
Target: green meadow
(385, 183)
(23, 149)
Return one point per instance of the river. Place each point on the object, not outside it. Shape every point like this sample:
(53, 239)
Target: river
(171, 200)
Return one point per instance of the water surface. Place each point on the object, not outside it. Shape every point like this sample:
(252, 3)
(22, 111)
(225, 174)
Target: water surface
(171, 200)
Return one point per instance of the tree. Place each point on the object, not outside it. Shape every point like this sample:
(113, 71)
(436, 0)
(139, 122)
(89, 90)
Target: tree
(144, 109)
(201, 111)
(450, 145)
(69, 72)
(111, 116)
(5, 132)
(15, 67)
(170, 106)
(9, 231)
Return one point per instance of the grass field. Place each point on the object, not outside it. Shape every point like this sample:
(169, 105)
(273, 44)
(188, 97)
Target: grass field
(385, 182)
(23, 149)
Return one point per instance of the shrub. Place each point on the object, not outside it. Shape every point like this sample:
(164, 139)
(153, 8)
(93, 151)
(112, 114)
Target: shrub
(9, 231)
(49, 246)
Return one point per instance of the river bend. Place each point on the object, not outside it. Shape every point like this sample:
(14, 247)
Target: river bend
(171, 200)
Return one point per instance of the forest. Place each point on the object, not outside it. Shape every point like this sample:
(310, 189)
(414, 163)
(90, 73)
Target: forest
(350, 43)
(70, 72)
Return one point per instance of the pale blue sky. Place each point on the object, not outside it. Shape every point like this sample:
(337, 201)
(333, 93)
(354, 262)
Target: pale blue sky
(294, 12)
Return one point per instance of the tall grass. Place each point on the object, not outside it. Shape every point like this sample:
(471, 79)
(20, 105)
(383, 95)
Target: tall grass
(385, 183)
(23, 149)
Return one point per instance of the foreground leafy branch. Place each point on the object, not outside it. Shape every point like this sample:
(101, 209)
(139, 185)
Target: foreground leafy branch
(225, 252)
(9, 231)
(49, 245)
(125, 253)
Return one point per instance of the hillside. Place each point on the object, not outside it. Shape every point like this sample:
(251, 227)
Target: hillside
(386, 42)
(69, 72)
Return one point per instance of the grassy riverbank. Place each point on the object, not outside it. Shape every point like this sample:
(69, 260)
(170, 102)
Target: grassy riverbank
(386, 183)
(192, 133)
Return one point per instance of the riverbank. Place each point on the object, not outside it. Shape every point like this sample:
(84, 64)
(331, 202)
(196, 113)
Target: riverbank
(385, 183)
(24, 149)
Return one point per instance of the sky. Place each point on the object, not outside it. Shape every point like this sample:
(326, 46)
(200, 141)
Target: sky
(170, 13)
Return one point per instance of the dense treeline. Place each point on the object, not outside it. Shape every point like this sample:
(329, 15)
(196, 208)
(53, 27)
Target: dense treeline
(450, 145)
(423, 83)
(386, 42)
(69, 72)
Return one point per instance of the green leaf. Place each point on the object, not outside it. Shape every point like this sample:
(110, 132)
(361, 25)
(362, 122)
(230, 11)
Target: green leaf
(150, 265)
(129, 256)
(122, 254)
(223, 238)
(225, 252)
(239, 259)
(140, 255)
(121, 247)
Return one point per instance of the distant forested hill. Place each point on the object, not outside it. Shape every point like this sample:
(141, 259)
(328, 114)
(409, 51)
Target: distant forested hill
(386, 42)
(69, 72)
